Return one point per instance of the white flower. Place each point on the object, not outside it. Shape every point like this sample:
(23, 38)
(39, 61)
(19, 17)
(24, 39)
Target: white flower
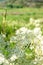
(29, 31)
(37, 31)
(14, 57)
(11, 63)
(12, 39)
(39, 37)
(23, 30)
(31, 47)
(37, 21)
(2, 59)
(23, 37)
(31, 20)
(42, 42)
(17, 32)
(4, 35)
(37, 25)
(36, 41)
(36, 50)
(41, 58)
(42, 49)
(35, 63)
(6, 62)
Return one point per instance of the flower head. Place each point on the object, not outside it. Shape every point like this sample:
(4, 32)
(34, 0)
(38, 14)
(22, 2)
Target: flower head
(14, 57)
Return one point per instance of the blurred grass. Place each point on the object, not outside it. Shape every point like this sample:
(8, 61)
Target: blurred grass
(22, 14)
(20, 19)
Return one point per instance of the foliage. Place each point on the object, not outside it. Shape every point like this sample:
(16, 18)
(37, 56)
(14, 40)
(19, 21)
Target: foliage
(21, 45)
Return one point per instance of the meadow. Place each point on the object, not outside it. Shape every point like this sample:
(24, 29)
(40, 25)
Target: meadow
(21, 36)
(23, 13)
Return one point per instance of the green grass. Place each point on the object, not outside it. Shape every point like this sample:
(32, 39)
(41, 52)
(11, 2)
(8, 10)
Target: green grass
(19, 20)
(22, 14)
(25, 10)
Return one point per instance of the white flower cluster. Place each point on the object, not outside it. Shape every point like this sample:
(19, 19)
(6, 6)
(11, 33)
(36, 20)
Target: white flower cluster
(25, 39)
(35, 22)
(22, 35)
(13, 57)
(25, 36)
(3, 60)
(38, 40)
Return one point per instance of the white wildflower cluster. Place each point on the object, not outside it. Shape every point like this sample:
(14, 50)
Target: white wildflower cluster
(13, 57)
(31, 20)
(27, 43)
(3, 60)
(22, 35)
(38, 40)
(12, 39)
(3, 35)
(25, 36)
(37, 31)
(36, 22)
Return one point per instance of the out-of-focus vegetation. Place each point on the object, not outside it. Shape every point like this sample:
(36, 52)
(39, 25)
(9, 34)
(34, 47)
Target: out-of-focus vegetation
(21, 32)
(21, 14)
(21, 3)
(21, 42)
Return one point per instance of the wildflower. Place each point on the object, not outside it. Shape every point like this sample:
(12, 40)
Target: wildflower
(17, 32)
(37, 21)
(35, 63)
(42, 42)
(39, 37)
(37, 31)
(2, 59)
(3, 35)
(29, 31)
(31, 47)
(14, 57)
(6, 61)
(22, 30)
(31, 20)
(12, 39)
